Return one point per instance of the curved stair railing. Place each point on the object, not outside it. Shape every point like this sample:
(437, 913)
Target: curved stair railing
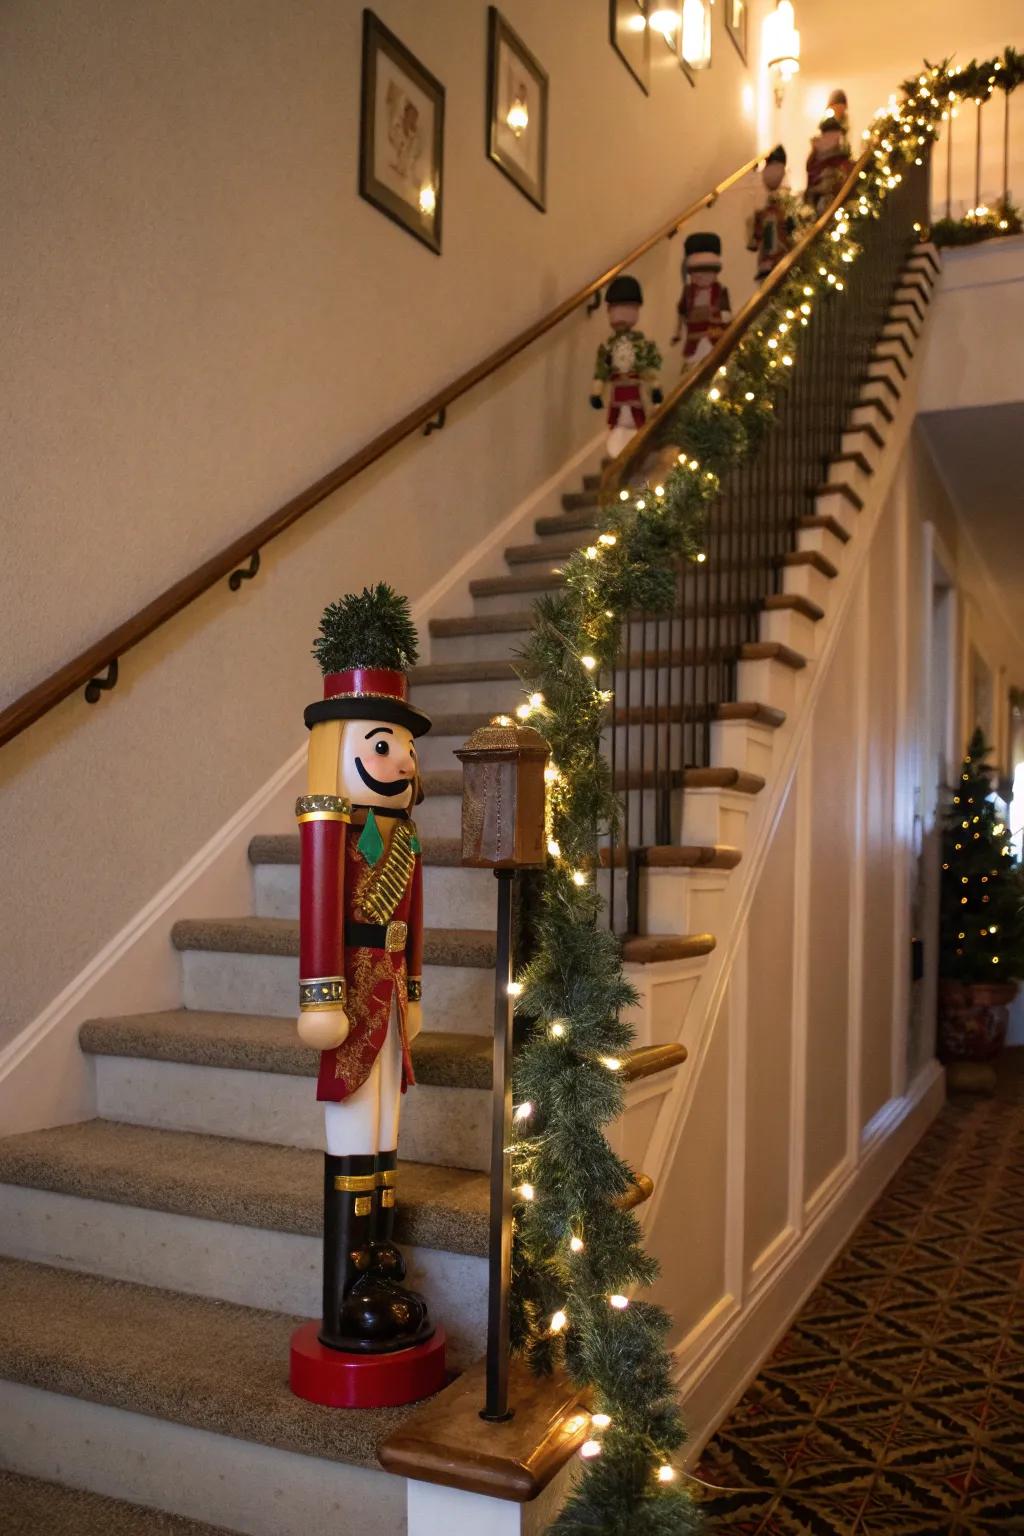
(96, 668)
(677, 672)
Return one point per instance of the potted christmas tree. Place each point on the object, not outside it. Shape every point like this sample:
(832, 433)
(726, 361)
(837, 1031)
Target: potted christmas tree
(981, 947)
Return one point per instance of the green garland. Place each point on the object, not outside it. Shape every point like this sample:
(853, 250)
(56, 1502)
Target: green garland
(576, 1253)
(978, 224)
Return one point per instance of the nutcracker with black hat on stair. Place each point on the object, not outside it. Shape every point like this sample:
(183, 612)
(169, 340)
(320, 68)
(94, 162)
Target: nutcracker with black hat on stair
(626, 363)
(360, 968)
(704, 309)
(772, 225)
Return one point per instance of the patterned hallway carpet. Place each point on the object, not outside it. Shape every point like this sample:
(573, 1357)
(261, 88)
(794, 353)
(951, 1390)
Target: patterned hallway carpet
(895, 1403)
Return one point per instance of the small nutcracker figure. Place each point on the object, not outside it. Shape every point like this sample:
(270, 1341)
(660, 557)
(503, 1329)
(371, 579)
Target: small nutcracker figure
(771, 226)
(627, 361)
(840, 110)
(828, 164)
(704, 309)
(360, 968)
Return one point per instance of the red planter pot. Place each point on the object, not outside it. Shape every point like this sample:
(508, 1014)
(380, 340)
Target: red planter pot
(973, 1019)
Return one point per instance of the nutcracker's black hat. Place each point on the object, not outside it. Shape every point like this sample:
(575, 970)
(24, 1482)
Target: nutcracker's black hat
(624, 290)
(777, 156)
(830, 123)
(702, 249)
(367, 641)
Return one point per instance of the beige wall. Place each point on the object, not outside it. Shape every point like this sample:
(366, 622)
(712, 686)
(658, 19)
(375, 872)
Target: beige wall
(200, 316)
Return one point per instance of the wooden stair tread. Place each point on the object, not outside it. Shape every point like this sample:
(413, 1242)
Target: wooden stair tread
(852, 456)
(880, 406)
(658, 950)
(839, 488)
(880, 381)
(894, 335)
(830, 524)
(243, 1183)
(466, 947)
(568, 522)
(486, 624)
(211, 1365)
(670, 714)
(890, 357)
(812, 557)
(792, 601)
(676, 856)
(246, 1042)
(737, 779)
(865, 429)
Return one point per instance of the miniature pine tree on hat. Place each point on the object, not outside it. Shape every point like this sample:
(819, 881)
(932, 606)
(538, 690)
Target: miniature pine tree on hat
(372, 628)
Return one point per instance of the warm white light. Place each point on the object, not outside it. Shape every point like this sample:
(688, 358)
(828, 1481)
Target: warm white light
(696, 43)
(620, 1303)
(714, 394)
(608, 539)
(501, 720)
(579, 877)
(749, 395)
(427, 199)
(536, 700)
(558, 1322)
(590, 662)
(664, 20)
(526, 1191)
(518, 118)
(557, 1030)
(524, 1112)
(591, 551)
(666, 1474)
(659, 490)
(700, 558)
(523, 711)
(601, 1420)
(611, 1062)
(576, 1244)
(782, 46)
(623, 495)
(514, 988)
(590, 1448)
(554, 849)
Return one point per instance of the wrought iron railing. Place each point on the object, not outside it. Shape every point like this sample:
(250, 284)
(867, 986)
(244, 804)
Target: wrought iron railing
(675, 672)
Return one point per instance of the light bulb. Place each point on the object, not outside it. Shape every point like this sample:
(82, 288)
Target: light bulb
(523, 711)
(536, 700)
(527, 1192)
(601, 1420)
(611, 1062)
(620, 1303)
(714, 394)
(623, 495)
(589, 1449)
(558, 1322)
(555, 849)
(666, 1474)
(514, 988)
(524, 1112)
(590, 662)
(579, 877)
(557, 1030)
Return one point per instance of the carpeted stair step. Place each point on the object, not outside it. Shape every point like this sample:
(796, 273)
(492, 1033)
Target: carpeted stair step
(210, 1365)
(568, 522)
(488, 624)
(246, 1042)
(242, 1183)
(283, 848)
(30, 1507)
(473, 948)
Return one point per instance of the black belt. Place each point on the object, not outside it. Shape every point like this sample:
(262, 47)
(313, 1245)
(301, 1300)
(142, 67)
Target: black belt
(389, 936)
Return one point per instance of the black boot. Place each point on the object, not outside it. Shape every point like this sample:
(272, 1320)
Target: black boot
(385, 1257)
(362, 1312)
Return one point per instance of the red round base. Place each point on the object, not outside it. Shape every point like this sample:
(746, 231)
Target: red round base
(338, 1380)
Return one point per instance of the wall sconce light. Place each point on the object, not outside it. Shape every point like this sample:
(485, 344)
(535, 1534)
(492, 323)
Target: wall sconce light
(696, 48)
(783, 47)
(664, 19)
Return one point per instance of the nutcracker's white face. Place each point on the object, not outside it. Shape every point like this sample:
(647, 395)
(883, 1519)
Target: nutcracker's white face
(378, 764)
(623, 317)
(772, 175)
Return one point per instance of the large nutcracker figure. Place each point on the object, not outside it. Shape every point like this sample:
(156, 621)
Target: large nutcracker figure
(772, 225)
(704, 309)
(360, 970)
(626, 363)
(829, 162)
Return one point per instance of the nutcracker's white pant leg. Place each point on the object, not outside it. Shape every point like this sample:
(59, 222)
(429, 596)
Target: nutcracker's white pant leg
(367, 1121)
(618, 437)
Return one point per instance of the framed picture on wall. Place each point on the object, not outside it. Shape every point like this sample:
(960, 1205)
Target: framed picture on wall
(401, 135)
(628, 32)
(737, 15)
(517, 111)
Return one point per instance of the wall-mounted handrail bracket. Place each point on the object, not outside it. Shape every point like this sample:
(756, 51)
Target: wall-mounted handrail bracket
(245, 572)
(437, 423)
(595, 303)
(97, 686)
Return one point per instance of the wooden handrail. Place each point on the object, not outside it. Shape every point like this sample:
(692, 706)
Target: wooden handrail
(96, 658)
(616, 472)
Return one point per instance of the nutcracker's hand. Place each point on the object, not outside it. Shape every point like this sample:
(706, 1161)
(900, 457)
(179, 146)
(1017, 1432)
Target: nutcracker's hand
(656, 396)
(596, 401)
(676, 339)
(323, 1028)
(413, 1020)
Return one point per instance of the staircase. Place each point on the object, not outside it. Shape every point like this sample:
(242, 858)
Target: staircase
(157, 1258)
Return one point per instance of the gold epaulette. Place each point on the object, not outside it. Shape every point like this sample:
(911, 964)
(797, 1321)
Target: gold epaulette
(323, 808)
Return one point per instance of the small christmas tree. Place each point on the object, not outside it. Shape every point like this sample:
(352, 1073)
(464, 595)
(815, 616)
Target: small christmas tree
(982, 916)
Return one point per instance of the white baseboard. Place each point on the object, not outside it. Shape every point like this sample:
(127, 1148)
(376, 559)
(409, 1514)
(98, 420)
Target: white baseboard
(718, 1359)
(44, 1078)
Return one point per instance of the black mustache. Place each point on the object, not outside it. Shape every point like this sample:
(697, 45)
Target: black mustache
(397, 787)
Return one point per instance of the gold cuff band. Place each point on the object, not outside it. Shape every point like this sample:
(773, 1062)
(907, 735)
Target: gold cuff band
(320, 992)
(323, 808)
(355, 1183)
(387, 1176)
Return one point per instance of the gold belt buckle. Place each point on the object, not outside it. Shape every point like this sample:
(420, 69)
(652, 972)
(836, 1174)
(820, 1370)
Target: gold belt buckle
(396, 935)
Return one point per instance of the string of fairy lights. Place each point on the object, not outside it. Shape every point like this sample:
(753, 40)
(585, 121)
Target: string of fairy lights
(577, 1253)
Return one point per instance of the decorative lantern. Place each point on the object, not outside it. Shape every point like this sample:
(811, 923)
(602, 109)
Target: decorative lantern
(503, 797)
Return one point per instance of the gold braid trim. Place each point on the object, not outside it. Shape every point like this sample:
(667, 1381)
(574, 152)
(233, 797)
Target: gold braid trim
(388, 882)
